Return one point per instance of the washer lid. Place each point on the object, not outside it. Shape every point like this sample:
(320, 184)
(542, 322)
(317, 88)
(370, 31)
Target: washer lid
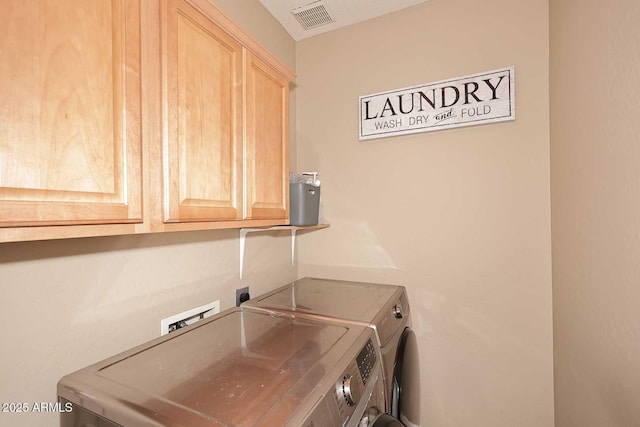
(232, 370)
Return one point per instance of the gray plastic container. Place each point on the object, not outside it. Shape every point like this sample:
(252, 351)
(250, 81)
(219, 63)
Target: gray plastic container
(304, 204)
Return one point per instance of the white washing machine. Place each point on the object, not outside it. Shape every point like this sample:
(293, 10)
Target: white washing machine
(383, 308)
(239, 368)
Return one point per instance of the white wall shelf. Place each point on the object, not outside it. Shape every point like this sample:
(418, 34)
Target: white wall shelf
(293, 228)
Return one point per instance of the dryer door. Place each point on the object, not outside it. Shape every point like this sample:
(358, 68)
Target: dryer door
(386, 420)
(405, 400)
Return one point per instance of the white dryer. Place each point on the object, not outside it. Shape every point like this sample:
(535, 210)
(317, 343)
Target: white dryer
(383, 308)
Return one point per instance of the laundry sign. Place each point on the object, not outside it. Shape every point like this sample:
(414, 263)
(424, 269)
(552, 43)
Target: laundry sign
(476, 99)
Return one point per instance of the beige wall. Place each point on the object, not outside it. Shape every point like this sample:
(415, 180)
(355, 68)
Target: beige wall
(65, 304)
(595, 136)
(461, 217)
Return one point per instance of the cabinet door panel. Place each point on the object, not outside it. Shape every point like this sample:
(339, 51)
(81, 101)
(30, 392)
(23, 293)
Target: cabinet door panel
(267, 146)
(70, 112)
(203, 105)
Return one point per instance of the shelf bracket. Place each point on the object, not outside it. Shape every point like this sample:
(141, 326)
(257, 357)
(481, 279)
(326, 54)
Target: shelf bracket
(243, 237)
(293, 245)
(292, 229)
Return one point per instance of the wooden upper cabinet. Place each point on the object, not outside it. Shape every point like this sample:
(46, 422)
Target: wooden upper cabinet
(202, 106)
(70, 147)
(266, 141)
(92, 90)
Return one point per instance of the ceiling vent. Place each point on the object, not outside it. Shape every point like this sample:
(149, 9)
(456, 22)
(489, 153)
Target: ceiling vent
(312, 15)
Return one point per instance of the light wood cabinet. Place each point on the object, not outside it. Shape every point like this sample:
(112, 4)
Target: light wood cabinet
(225, 135)
(70, 147)
(137, 116)
(266, 139)
(202, 141)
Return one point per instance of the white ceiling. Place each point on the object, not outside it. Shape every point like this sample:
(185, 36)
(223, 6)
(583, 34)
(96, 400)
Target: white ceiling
(343, 12)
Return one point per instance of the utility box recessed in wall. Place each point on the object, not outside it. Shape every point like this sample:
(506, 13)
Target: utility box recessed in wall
(189, 317)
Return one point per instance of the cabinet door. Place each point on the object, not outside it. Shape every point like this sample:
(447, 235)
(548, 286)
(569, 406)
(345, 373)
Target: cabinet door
(267, 141)
(70, 112)
(202, 68)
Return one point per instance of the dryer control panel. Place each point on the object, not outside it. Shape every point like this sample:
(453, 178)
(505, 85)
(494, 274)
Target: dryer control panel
(357, 389)
(349, 390)
(366, 360)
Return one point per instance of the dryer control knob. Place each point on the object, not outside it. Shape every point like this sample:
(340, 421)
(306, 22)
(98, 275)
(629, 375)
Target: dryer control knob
(351, 390)
(397, 311)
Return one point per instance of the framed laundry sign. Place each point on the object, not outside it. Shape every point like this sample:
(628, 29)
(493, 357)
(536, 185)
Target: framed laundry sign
(476, 99)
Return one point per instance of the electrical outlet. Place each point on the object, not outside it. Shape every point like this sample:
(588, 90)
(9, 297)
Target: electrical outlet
(188, 317)
(242, 295)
